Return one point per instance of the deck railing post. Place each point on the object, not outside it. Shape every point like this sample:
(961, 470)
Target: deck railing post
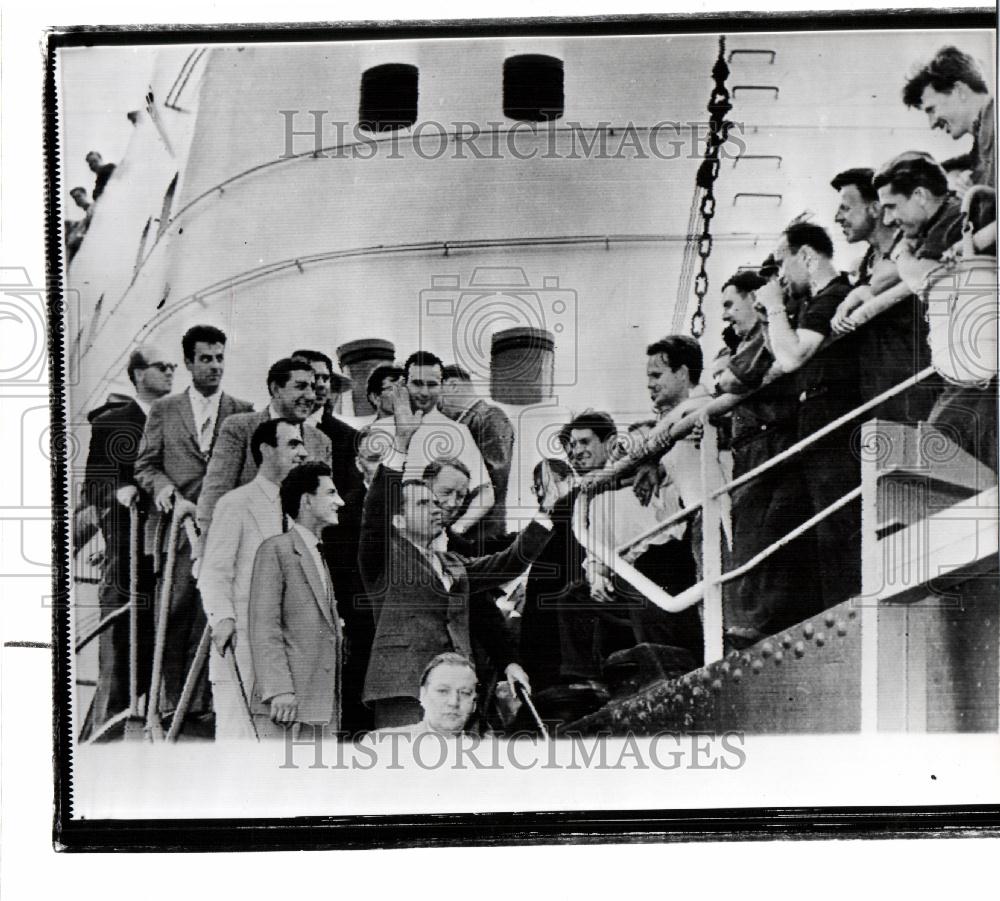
(711, 545)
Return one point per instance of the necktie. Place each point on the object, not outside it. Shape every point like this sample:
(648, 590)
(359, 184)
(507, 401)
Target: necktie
(205, 434)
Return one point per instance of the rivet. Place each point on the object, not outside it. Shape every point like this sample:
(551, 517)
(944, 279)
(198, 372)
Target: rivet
(716, 685)
(800, 649)
(737, 674)
(745, 658)
(696, 692)
(820, 639)
(677, 701)
(779, 656)
(757, 666)
(766, 650)
(829, 620)
(786, 641)
(724, 666)
(808, 630)
(852, 613)
(841, 627)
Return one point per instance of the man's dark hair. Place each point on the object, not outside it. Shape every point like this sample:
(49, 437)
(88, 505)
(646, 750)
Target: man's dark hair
(600, 423)
(745, 281)
(281, 371)
(948, 67)
(378, 375)
(421, 358)
(267, 433)
(560, 468)
(313, 356)
(808, 234)
(861, 178)
(679, 350)
(960, 163)
(769, 268)
(433, 469)
(207, 334)
(136, 360)
(304, 479)
(454, 371)
(906, 173)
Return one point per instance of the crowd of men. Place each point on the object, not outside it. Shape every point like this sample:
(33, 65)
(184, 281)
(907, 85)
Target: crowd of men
(331, 564)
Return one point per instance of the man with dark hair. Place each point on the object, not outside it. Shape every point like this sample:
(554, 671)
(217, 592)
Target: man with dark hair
(102, 170)
(109, 490)
(439, 436)
(951, 90)
(421, 592)
(180, 438)
(343, 436)
(493, 433)
(296, 634)
(379, 389)
(827, 383)
(291, 384)
(586, 438)
(244, 518)
(894, 346)
(774, 593)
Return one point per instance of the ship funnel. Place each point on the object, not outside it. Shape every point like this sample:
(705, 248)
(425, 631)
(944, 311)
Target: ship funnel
(359, 359)
(523, 365)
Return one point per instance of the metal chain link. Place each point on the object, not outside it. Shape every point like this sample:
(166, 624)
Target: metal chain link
(718, 108)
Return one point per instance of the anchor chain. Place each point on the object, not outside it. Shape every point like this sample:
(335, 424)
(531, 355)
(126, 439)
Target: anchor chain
(719, 106)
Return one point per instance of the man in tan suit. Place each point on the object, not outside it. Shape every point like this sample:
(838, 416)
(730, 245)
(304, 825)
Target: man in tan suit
(296, 635)
(291, 384)
(244, 518)
(180, 438)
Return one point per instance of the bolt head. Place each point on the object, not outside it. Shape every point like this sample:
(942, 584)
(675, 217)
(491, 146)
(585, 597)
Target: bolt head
(828, 620)
(841, 627)
(786, 641)
(800, 649)
(716, 685)
(737, 674)
(757, 666)
(808, 630)
(766, 650)
(778, 657)
(820, 639)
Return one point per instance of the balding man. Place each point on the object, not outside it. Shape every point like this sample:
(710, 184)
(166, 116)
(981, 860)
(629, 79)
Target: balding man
(110, 489)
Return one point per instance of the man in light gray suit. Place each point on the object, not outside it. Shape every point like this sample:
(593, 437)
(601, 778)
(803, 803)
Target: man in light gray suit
(291, 384)
(244, 518)
(181, 435)
(296, 634)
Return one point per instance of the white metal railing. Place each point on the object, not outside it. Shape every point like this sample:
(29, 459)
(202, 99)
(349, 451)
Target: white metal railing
(709, 589)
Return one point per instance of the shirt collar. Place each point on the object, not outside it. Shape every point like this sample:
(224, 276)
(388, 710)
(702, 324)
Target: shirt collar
(308, 537)
(202, 403)
(314, 418)
(271, 491)
(143, 405)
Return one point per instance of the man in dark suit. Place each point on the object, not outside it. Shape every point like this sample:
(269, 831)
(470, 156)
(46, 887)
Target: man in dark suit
(180, 438)
(296, 637)
(291, 384)
(110, 490)
(419, 590)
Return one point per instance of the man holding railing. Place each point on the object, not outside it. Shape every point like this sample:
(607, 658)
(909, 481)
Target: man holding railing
(827, 383)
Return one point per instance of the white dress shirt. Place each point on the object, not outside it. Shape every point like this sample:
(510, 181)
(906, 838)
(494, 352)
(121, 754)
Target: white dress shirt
(205, 411)
(312, 542)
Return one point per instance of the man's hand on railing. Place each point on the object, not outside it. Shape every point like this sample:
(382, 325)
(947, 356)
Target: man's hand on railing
(647, 481)
(164, 499)
(599, 580)
(842, 323)
(127, 495)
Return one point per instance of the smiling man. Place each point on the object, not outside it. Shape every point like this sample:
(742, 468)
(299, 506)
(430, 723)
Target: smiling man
(420, 590)
(291, 386)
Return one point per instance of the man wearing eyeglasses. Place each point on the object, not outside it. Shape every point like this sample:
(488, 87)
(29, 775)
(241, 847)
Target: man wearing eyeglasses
(109, 491)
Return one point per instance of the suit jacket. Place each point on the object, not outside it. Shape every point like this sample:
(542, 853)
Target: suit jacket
(232, 464)
(416, 616)
(170, 453)
(295, 633)
(245, 517)
(344, 448)
(115, 437)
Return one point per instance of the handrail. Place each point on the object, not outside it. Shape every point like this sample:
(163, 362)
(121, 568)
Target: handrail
(154, 727)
